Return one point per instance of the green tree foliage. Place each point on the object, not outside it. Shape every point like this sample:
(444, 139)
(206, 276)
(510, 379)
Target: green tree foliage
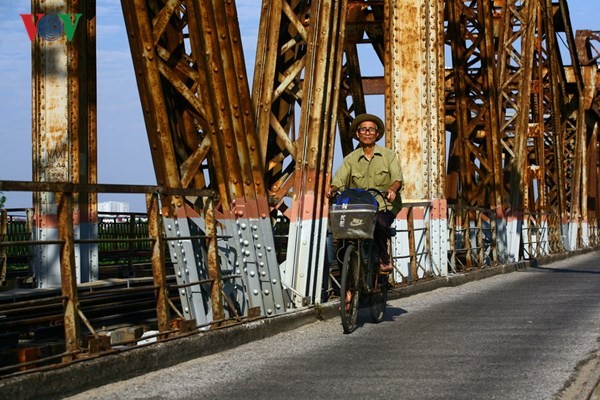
(2, 200)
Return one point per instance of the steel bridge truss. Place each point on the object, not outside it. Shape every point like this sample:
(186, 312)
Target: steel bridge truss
(500, 151)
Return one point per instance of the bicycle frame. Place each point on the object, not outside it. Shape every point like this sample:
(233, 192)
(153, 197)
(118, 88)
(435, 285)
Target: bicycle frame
(360, 280)
(360, 276)
(368, 270)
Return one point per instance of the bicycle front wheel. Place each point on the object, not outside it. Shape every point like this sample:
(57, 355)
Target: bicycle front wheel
(378, 298)
(349, 291)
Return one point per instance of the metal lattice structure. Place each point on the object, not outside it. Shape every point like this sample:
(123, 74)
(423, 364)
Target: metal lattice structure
(499, 148)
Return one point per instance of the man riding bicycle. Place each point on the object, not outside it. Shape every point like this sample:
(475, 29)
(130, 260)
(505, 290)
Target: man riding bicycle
(373, 167)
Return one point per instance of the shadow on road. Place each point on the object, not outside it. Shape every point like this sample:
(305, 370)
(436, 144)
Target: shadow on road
(533, 264)
(391, 313)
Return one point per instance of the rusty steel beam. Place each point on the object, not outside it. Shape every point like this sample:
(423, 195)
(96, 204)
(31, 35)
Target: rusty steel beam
(362, 20)
(64, 127)
(71, 320)
(513, 71)
(415, 126)
(194, 91)
(559, 138)
(519, 106)
(587, 45)
(299, 65)
(214, 271)
(219, 37)
(157, 259)
(573, 111)
(470, 28)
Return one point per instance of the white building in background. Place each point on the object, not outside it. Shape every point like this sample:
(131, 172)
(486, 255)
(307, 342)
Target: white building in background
(113, 206)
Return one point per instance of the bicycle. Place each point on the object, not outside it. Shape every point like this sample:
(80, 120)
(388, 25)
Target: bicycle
(354, 225)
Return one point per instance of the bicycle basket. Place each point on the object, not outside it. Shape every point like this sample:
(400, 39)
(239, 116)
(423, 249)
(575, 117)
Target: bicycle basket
(353, 217)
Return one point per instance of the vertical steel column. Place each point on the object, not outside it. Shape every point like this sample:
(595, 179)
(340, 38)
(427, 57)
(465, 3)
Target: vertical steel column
(3, 253)
(65, 208)
(233, 118)
(514, 83)
(308, 219)
(64, 128)
(214, 272)
(414, 71)
(144, 37)
(550, 98)
(470, 26)
(588, 54)
(573, 112)
(159, 274)
(306, 39)
(194, 91)
(475, 145)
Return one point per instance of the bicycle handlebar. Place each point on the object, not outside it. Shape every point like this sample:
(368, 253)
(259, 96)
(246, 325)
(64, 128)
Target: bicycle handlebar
(375, 192)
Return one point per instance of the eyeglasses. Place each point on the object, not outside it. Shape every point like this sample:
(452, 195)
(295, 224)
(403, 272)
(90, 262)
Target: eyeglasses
(371, 130)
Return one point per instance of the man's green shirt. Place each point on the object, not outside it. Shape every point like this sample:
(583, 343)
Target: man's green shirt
(356, 172)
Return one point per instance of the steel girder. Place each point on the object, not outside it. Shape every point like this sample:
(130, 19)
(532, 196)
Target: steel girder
(510, 113)
(512, 117)
(64, 143)
(414, 107)
(517, 146)
(199, 117)
(474, 143)
(295, 94)
(278, 89)
(572, 111)
(588, 53)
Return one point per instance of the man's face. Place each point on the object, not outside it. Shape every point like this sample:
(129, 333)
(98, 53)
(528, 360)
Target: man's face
(367, 132)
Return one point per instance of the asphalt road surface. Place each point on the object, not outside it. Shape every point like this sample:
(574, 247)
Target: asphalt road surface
(514, 336)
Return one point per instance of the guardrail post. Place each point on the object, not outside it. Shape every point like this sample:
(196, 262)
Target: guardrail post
(3, 253)
(480, 244)
(132, 245)
(413, 275)
(466, 221)
(157, 255)
(68, 270)
(214, 271)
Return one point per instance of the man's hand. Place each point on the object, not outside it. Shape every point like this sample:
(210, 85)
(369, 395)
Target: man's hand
(393, 190)
(391, 195)
(331, 191)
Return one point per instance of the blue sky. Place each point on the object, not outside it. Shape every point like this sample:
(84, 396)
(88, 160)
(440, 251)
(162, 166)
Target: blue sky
(123, 152)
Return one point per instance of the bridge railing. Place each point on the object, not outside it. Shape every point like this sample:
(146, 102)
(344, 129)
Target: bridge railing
(15, 225)
(537, 231)
(593, 230)
(411, 247)
(472, 237)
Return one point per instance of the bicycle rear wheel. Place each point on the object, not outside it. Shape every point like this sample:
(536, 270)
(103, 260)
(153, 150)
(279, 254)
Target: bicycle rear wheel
(349, 291)
(378, 298)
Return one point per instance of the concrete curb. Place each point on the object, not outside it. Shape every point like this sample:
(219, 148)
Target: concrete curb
(55, 383)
